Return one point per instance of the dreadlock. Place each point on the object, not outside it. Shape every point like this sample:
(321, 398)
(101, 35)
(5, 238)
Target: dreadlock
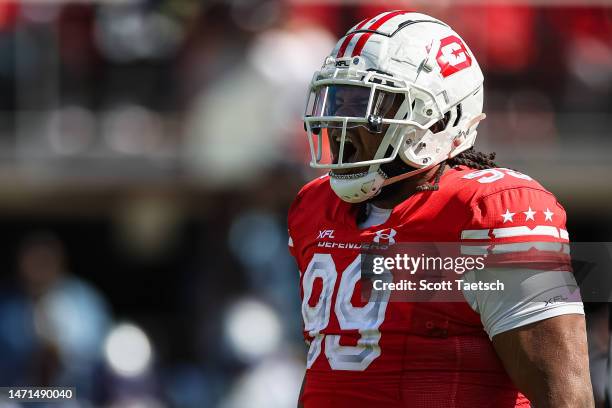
(470, 158)
(474, 160)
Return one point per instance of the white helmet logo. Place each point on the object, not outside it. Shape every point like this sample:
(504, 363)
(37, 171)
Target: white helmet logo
(449, 54)
(452, 56)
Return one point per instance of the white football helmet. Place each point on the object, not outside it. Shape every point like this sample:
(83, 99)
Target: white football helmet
(405, 72)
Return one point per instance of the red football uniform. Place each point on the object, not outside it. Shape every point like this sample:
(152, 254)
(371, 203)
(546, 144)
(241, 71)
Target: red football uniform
(394, 354)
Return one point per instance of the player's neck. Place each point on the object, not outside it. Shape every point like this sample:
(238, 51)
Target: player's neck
(396, 193)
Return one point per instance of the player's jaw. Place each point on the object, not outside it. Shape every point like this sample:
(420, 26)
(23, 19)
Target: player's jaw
(360, 145)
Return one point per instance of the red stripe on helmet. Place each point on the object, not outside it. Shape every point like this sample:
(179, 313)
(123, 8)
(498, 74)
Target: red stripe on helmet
(348, 39)
(365, 37)
(365, 20)
(344, 45)
(361, 43)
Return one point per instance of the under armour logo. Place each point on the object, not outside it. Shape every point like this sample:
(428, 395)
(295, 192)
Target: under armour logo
(385, 235)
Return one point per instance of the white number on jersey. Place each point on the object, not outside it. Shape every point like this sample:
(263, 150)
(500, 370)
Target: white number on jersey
(366, 319)
(491, 175)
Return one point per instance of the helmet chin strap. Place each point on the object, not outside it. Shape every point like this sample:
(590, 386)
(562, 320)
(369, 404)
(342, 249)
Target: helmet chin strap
(464, 129)
(409, 174)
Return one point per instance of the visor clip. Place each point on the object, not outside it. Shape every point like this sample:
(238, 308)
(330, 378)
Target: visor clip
(315, 130)
(375, 123)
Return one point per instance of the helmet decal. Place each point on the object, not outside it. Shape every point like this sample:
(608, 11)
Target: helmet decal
(452, 56)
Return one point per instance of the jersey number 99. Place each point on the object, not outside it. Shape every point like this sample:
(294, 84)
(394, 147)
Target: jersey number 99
(366, 319)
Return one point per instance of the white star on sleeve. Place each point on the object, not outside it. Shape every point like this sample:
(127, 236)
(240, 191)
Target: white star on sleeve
(529, 214)
(548, 215)
(508, 216)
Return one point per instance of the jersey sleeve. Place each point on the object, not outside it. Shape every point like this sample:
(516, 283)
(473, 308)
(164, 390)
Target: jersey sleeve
(519, 226)
(516, 214)
(522, 233)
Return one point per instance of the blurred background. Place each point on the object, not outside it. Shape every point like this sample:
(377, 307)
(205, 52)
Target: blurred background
(149, 150)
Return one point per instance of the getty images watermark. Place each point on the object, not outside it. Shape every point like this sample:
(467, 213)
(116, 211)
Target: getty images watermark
(447, 271)
(405, 263)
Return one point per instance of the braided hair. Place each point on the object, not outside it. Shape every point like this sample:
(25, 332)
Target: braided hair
(470, 158)
(474, 160)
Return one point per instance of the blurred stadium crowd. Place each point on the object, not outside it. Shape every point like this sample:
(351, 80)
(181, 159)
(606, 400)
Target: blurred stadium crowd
(149, 150)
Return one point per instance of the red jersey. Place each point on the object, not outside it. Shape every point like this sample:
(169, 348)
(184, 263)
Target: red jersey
(394, 354)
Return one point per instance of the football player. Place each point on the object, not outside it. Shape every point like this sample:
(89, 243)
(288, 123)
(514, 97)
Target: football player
(398, 102)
